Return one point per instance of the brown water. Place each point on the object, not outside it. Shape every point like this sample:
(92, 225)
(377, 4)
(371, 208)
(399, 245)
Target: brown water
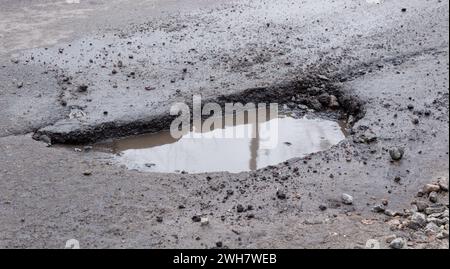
(260, 145)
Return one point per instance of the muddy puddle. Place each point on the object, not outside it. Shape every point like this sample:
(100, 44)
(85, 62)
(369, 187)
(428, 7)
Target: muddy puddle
(238, 147)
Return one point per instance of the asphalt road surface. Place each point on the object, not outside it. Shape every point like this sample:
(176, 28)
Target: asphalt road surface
(120, 65)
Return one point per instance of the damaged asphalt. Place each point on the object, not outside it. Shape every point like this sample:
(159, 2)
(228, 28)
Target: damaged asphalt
(387, 63)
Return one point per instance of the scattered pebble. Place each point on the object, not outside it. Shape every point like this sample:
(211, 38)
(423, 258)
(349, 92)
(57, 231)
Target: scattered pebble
(334, 103)
(240, 208)
(429, 188)
(434, 209)
(379, 209)
(396, 153)
(281, 195)
(433, 197)
(443, 186)
(421, 206)
(82, 88)
(390, 238)
(418, 220)
(397, 243)
(347, 199)
(204, 221)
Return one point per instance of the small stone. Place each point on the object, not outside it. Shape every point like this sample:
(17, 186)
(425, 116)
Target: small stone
(435, 209)
(415, 120)
(20, 85)
(15, 60)
(315, 104)
(428, 188)
(347, 199)
(379, 209)
(323, 77)
(196, 219)
(394, 223)
(159, 219)
(413, 209)
(367, 137)
(87, 173)
(431, 229)
(397, 243)
(442, 235)
(302, 107)
(390, 213)
(390, 238)
(281, 195)
(396, 154)
(323, 207)
(204, 221)
(334, 103)
(250, 216)
(433, 197)
(438, 221)
(324, 99)
(421, 206)
(82, 88)
(443, 186)
(240, 208)
(417, 221)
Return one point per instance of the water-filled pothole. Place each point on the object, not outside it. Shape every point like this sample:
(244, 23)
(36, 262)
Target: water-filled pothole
(265, 143)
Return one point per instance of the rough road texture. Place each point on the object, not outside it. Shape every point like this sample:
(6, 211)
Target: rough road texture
(392, 56)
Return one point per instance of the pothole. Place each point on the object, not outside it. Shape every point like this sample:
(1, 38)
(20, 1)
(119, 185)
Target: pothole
(313, 111)
(238, 147)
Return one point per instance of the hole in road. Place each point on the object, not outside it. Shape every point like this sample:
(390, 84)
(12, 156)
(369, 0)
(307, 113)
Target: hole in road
(261, 143)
